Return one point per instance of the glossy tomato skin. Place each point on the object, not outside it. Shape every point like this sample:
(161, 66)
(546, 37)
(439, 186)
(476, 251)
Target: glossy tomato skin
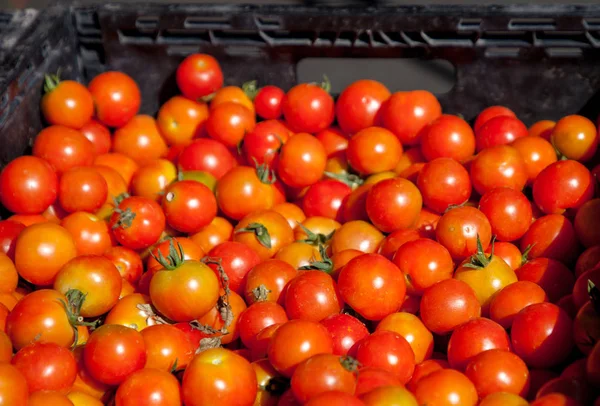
(67, 103)
(140, 139)
(127, 262)
(325, 198)
(46, 366)
(166, 346)
(9, 231)
(116, 97)
(586, 328)
(308, 108)
(537, 153)
(551, 236)
(264, 141)
(323, 373)
(358, 105)
(381, 395)
(207, 155)
(450, 137)
(499, 130)
(312, 295)
(489, 113)
(444, 182)
(82, 189)
(563, 185)
(509, 213)
(180, 120)
(229, 122)
(551, 275)
(356, 235)
(273, 274)
(301, 161)
(542, 335)
(146, 226)
(345, 331)
(188, 206)
(242, 191)
(199, 75)
(147, 385)
(413, 330)
(13, 386)
(446, 387)
(236, 260)
(98, 135)
(394, 204)
(585, 223)
(499, 166)
(335, 398)
(28, 185)
(258, 317)
(113, 352)
(498, 370)
(90, 234)
(219, 230)
(373, 150)
(63, 148)
(458, 228)
(279, 232)
(575, 137)
(509, 301)
(268, 102)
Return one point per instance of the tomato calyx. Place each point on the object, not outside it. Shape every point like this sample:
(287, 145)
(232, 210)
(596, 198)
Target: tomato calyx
(479, 260)
(260, 231)
(325, 264)
(152, 318)
(265, 174)
(350, 364)
(51, 81)
(594, 293)
(75, 299)
(455, 206)
(118, 199)
(276, 386)
(250, 89)
(260, 293)
(325, 84)
(173, 260)
(349, 179)
(525, 255)
(317, 239)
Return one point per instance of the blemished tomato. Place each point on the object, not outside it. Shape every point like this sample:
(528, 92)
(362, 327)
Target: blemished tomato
(140, 139)
(199, 75)
(265, 231)
(373, 150)
(551, 236)
(312, 295)
(542, 335)
(499, 166)
(229, 122)
(66, 102)
(585, 223)
(444, 182)
(446, 387)
(359, 104)
(116, 97)
(513, 298)
(499, 130)
(575, 137)
(423, 262)
(13, 386)
(206, 155)
(447, 305)
(301, 161)
(537, 153)
(262, 143)
(146, 386)
(448, 137)
(46, 366)
(325, 198)
(385, 395)
(413, 330)
(372, 285)
(63, 148)
(268, 102)
(96, 277)
(98, 135)
(498, 370)
(151, 179)
(82, 189)
(218, 231)
(308, 108)
(394, 204)
(323, 373)
(181, 119)
(490, 113)
(167, 347)
(188, 206)
(551, 275)
(508, 211)
(563, 185)
(345, 331)
(137, 222)
(358, 235)
(406, 114)
(459, 228)
(9, 231)
(113, 352)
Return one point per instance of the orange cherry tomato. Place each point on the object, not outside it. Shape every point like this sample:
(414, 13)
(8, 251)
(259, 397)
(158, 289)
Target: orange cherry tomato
(181, 119)
(219, 230)
(151, 180)
(8, 274)
(413, 330)
(140, 139)
(116, 96)
(98, 135)
(66, 102)
(121, 163)
(229, 123)
(90, 234)
(575, 137)
(264, 231)
(373, 150)
(82, 189)
(63, 148)
(542, 129)
(231, 94)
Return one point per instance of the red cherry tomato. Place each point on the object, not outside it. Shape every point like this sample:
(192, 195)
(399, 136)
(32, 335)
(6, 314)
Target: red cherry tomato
(46, 366)
(394, 204)
(9, 231)
(116, 97)
(345, 331)
(444, 182)
(82, 189)
(138, 223)
(229, 122)
(497, 370)
(448, 137)
(261, 145)
(373, 150)
(63, 148)
(499, 166)
(146, 385)
(189, 205)
(98, 135)
(551, 236)
(312, 295)
(509, 301)
(268, 102)
(551, 275)
(509, 213)
(236, 260)
(491, 112)
(499, 130)
(308, 108)
(325, 198)
(358, 105)
(199, 75)
(301, 161)
(537, 154)
(206, 155)
(459, 228)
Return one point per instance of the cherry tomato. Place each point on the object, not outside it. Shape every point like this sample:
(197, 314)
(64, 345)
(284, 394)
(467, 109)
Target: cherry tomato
(218, 231)
(498, 370)
(537, 153)
(396, 239)
(116, 97)
(334, 398)
(323, 373)
(236, 260)
(585, 221)
(301, 161)
(491, 112)
(308, 108)
(188, 206)
(542, 335)
(586, 327)
(357, 235)
(265, 232)
(586, 261)
(324, 198)
(9, 231)
(581, 289)
(66, 102)
(268, 102)
(131, 311)
(46, 366)
(121, 163)
(413, 330)
(181, 119)
(146, 386)
(262, 143)
(13, 386)
(509, 213)
(448, 137)
(138, 223)
(370, 378)
(206, 155)
(551, 236)
(267, 280)
(503, 399)
(407, 203)
(446, 387)
(387, 394)
(499, 130)
(551, 275)
(312, 295)
(511, 299)
(63, 148)
(229, 122)
(127, 262)
(459, 228)
(575, 137)
(98, 135)
(151, 179)
(444, 182)
(499, 166)
(358, 105)
(140, 139)
(425, 368)
(199, 75)
(374, 149)
(593, 372)
(82, 189)
(554, 399)
(345, 331)
(167, 347)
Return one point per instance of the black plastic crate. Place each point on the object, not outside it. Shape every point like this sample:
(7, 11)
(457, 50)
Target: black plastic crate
(541, 61)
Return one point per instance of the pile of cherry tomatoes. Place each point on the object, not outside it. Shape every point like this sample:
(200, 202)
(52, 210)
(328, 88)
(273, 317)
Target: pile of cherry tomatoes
(251, 246)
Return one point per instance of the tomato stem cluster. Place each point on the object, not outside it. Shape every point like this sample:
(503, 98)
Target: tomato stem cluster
(261, 232)
(479, 259)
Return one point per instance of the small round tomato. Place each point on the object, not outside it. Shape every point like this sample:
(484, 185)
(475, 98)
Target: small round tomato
(98, 135)
(542, 335)
(499, 166)
(542, 129)
(301, 161)
(267, 280)
(537, 153)
(508, 211)
(264, 141)
(199, 75)
(503, 399)
(373, 150)
(28, 185)
(497, 370)
(256, 318)
(292, 212)
(113, 352)
(370, 378)
(97, 280)
(206, 155)
(13, 386)
(128, 263)
(499, 130)
(423, 262)
(563, 185)
(551, 275)
(296, 341)
(425, 368)
(9, 231)
(167, 347)
(131, 311)
(218, 231)
(575, 137)
(121, 163)
(63, 148)
(508, 252)
(396, 239)
(372, 285)
(386, 394)
(459, 229)
(582, 287)
(236, 260)
(8, 274)
(450, 137)
(66, 102)
(413, 330)
(446, 387)
(181, 119)
(266, 232)
(552, 236)
(151, 179)
(147, 385)
(513, 298)
(406, 114)
(308, 108)
(325, 198)
(137, 222)
(491, 112)
(46, 366)
(394, 204)
(586, 221)
(188, 206)
(447, 305)
(387, 350)
(345, 331)
(312, 295)
(268, 102)
(82, 189)
(140, 139)
(116, 97)
(444, 182)
(115, 182)
(323, 373)
(233, 94)
(586, 326)
(358, 235)
(358, 105)
(229, 122)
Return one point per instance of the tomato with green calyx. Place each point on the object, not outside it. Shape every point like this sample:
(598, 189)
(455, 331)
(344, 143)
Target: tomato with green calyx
(308, 107)
(189, 206)
(199, 75)
(266, 232)
(66, 102)
(137, 222)
(322, 373)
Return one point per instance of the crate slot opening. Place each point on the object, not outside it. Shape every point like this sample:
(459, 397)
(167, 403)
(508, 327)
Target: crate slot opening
(268, 22)
(469, 24)
(207, 22)
(532, 24)
(147, 22)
